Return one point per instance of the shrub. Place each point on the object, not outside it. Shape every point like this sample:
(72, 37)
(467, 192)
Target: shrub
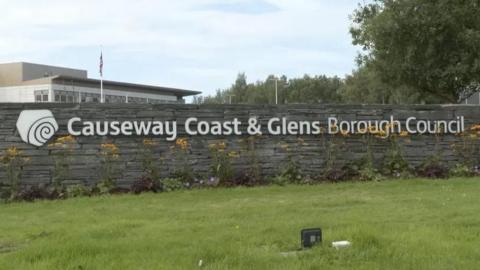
(253, 174)
(366, 169)
(221, 161)
(279, 180)
(37, 193)
(145, 184)
(109, 153)
(78, 191)
(462, 170)
(62, 149)
(292, 172)
(180, 151)
(394, 163)
(433, 168)
(14, 161)
(335, 175)
(171, 184)
(245, 178)
(149, 161)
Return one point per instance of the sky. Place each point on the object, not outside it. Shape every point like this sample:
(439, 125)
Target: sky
(190, 44)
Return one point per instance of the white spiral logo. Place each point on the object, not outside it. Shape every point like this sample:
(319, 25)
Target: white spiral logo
(36, 127)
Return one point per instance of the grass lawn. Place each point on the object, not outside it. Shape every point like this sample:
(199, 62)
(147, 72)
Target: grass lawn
(403, 224)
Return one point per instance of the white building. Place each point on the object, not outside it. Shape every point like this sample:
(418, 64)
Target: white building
(27, 82)
(472, 99)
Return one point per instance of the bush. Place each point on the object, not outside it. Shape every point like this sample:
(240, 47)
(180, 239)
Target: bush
(280, 180)
(78, 191)
(335, 175)
(171, 184)
(461, 170)
(432, 167)
(37, 193)
(145, 184)
(250, 178)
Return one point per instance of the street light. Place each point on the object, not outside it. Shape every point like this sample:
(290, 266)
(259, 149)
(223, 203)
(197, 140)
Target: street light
(230, 98)
(276, 88)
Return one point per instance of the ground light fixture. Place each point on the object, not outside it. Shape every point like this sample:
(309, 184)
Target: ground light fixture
(311, 237)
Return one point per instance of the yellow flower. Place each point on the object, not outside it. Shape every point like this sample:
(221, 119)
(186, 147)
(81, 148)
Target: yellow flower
(65, 139)
(344, 133)
(148, 142)
(363, 130)
(284, 146)
(404, 133)
(13, 151)
(475, 127)
(222, 145)
(233, 154)
(182, 143)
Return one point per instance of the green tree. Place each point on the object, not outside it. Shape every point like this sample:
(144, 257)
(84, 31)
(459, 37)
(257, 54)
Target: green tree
(430, 46)
(317, 89)
(365, 86)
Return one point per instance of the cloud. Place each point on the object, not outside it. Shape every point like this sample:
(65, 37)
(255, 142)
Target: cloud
(245, 7)
(196, 44)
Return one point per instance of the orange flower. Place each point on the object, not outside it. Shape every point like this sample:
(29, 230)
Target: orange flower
(182, 143)
(148, 142)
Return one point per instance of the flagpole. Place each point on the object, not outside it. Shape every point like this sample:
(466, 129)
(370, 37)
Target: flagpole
(101, 89)
(102, 98)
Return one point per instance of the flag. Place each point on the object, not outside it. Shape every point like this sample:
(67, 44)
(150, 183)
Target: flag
(101, 64)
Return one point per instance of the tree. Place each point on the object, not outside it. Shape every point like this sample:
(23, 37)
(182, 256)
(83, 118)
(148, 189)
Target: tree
(365, 86)
(318, 89)
(430, 46)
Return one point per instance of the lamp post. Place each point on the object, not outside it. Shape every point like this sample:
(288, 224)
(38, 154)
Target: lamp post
(230, 99)
(276, 88)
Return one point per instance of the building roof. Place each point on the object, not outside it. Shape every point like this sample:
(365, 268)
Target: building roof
(60, 79)
(23, 73)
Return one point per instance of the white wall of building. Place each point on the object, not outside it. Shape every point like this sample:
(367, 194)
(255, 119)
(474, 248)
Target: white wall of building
(21, 93)
(25, 93)
(473, 99)
(107, 91)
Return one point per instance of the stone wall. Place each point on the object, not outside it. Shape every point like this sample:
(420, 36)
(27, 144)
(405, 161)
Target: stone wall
(272, 151)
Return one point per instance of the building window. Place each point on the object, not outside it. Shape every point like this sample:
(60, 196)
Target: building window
(115, 99)
(89, 97)
(66, 96)
(41, 95)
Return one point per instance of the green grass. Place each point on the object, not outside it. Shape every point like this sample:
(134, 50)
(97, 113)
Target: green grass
(404, 224)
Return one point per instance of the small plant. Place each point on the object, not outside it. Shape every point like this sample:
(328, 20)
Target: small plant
(432, 167)
(221, 161)
(171, 184)
(280, 180)
(367, 170)
(149, 162)
(332, 171)
(14, 162)
(62, 149)
(461, 170)
(180, 151)
(253, 175)
(145, 184)
(109, 153)
(291, 169)
(78, 191)
(467, 152)
(33, 193)
(394, 163)
(335, 175)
